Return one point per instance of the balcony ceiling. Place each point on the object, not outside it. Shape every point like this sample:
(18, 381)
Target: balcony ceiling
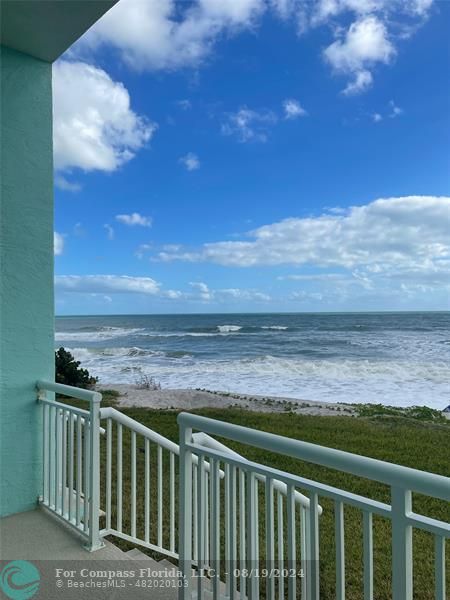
(47, 28)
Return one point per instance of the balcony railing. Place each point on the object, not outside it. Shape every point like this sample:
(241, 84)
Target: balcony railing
(71, 459)
(243, 505)
(215, 511)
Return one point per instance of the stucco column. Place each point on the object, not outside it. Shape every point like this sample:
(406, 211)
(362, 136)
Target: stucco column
(26, 262)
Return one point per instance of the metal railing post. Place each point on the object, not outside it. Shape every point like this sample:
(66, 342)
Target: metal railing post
(402, 564)
(185, 517)
(95, 541)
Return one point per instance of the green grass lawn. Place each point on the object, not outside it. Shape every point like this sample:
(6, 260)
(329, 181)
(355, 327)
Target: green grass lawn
(410, 440)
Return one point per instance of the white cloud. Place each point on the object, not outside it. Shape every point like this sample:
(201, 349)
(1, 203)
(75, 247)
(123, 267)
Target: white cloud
(165, 34)
(324, 10)
(172, 247)
(363, 81)
(375, 284)
(134, 219)
(223, 295)
(94, 126)
(311, 277)
(349, 280)
(314, 13)
(377, 25)
(293, 109)
(184, 104)
(365, 43)
(420, 7)
(202, 290)
(58, 243)
(393, 112)
(101, 285)
(249, 125)
(240, 294)
(285, 8)
(173, 294)
(190, 161)
(109, 231)
(67, 186)
(102, 297)
(396, 111)
(306, 296)
(143, 248)
(106, 284)
(387, 238)
(79, 230)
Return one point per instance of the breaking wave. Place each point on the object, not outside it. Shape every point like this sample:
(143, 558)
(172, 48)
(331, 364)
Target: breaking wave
(398, 359)
(399, 383)
(90, 334)
(228, 328)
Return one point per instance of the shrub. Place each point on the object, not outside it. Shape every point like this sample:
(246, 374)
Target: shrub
(145, 382)
(68, 371)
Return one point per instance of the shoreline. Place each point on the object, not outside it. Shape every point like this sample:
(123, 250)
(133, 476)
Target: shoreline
(190, 399)
(136, 396)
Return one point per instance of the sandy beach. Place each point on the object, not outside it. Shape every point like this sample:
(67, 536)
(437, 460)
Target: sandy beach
(189, 399)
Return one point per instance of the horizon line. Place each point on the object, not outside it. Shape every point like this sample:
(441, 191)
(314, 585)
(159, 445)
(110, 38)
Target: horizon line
(337, 312)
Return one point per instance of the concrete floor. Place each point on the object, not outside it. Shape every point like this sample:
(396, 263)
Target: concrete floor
(36, 535)
(68, 571)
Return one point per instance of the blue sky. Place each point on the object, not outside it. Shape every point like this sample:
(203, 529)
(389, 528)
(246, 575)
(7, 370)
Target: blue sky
(282, 156)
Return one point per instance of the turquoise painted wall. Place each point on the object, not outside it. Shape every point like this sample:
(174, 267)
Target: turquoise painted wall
(26, 262)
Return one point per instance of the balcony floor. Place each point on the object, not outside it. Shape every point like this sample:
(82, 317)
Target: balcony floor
(42, 539)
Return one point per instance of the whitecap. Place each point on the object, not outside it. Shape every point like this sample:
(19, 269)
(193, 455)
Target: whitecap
(104, 333)
(399, 383)
(228, 328)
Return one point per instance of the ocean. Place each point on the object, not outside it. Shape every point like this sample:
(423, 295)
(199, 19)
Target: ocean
(400, 359)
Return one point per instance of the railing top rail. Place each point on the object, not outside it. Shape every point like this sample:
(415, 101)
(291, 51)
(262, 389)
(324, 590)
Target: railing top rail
(321, 489)
(140, 429)
(391, 474)
(112, 413)
(68, 390)
(203, 439)
(67, 407)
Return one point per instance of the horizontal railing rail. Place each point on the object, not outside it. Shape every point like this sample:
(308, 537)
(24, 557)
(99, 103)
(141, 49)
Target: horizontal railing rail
(263, 472)
(203, 439)
(247, 500)
(140, 429)
(84, 414)
(354, 464)
(74, 410)
(68, 390)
